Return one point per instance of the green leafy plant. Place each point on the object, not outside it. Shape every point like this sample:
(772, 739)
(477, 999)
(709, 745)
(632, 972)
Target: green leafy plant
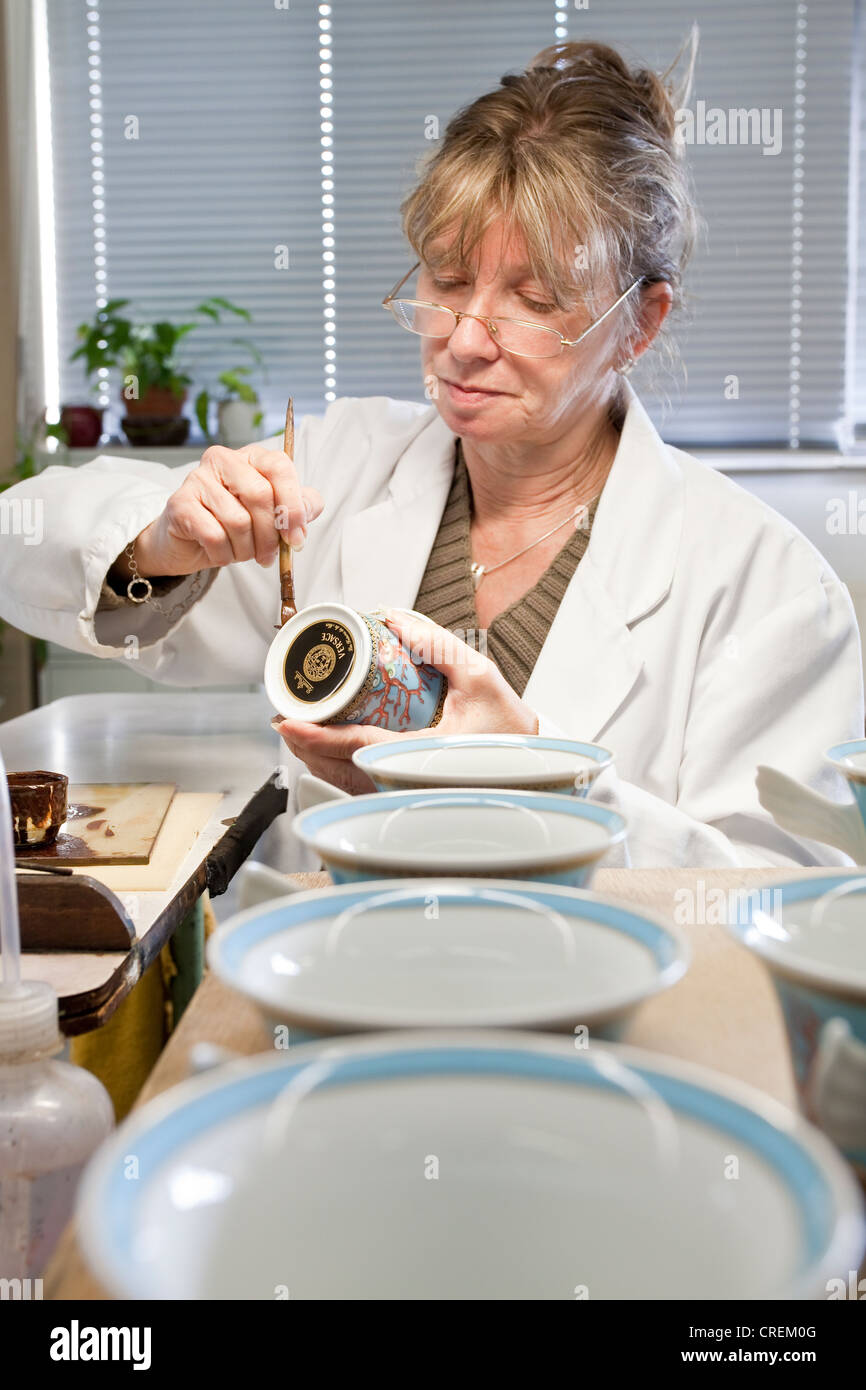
(25, 452)
(235, 387)
(146, 350)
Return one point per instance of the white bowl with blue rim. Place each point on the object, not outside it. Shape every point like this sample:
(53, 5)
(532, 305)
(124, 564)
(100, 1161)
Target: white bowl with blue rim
(524, 762)
(801, 810)
(447, 953)
(468, 1165)
(811, 935)
(474, 832)
(849, 759)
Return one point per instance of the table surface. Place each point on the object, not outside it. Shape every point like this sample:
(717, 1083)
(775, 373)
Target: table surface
(202, 741)
(723, 1014)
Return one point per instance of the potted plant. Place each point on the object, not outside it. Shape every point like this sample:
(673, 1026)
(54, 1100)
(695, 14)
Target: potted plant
(154, 386)
(238, 409)
(82, 425)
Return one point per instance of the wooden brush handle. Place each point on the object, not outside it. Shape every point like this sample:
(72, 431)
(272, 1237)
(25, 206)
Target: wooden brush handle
(288, 607)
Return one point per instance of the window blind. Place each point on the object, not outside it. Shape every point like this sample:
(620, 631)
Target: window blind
(232, 144)
(857, 362)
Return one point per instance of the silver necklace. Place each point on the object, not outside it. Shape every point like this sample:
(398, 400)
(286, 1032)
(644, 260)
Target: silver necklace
(478, 571)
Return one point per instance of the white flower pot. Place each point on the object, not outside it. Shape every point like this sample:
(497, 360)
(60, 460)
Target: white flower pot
(235, 421)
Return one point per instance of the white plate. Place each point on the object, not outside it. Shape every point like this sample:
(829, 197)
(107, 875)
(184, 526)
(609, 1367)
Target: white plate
(482, 760)
(446, 953)
(813, 929)
(461, 831)
(466, 1166)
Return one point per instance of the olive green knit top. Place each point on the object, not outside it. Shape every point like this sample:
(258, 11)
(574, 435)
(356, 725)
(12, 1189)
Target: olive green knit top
(446, 594)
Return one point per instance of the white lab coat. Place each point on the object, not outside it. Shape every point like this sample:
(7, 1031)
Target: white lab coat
(701, 634)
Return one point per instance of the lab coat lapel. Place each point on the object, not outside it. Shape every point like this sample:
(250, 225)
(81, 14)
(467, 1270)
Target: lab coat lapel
(384, 548)
(589, 661)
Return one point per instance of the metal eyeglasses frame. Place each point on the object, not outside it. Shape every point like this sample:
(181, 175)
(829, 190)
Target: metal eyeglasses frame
(490, 323)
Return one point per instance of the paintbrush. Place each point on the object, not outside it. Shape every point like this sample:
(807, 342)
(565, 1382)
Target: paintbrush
(288, 607)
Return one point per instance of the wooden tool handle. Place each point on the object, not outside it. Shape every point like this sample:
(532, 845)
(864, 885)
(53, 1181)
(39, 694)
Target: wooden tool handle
(288, 607)
(71, 914)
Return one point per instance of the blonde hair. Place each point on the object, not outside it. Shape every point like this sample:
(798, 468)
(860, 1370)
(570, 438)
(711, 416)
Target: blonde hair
(579, 153)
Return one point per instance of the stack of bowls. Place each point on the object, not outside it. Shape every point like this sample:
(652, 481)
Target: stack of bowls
(811, 935)
(459, 901)
(424, 1128)
(471, 804)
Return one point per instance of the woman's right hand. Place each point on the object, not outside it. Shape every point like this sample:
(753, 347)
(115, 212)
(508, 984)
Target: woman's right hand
(231, 507)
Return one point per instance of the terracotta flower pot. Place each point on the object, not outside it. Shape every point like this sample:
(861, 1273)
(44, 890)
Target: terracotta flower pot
(83, 425)
(157, 403)
(155, 419)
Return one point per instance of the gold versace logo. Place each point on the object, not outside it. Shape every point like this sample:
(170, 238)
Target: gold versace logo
(319, 662)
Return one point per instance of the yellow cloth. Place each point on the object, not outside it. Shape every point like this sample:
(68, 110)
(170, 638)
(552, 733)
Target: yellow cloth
(123, 1052)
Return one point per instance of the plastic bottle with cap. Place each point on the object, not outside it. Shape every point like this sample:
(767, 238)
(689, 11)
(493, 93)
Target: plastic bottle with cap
(52, 1114)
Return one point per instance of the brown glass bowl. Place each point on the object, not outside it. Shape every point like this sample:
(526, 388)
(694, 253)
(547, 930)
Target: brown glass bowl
(38, 807)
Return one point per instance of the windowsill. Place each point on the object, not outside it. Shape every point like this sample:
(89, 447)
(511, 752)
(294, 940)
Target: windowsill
(184, 454)
(745, 460)
(755, 460)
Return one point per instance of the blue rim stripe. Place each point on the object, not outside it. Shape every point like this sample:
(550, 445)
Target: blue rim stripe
(374, 751)
(316, 817)
(843, 750)
(793, 891)
(799, 1171)
(246, 935)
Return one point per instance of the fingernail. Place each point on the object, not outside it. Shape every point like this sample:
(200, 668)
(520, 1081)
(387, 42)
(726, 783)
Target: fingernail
(277, 719)
(308, 507)
(296, 538)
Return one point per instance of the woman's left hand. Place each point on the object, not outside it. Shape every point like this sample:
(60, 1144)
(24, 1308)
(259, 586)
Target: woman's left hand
(479, 700)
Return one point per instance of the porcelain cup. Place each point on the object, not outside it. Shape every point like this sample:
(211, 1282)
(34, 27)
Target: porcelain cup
(332, 665)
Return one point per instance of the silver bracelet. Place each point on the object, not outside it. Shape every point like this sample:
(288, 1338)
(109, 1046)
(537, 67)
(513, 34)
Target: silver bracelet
(147, 596)
(137, 579)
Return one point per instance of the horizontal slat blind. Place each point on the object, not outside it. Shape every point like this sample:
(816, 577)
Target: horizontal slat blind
(225, 169)
(395, 63)
(228, 166)
(858, 366)
(397, 68)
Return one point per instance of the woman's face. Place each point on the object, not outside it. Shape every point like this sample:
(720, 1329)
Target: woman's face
(534, 400)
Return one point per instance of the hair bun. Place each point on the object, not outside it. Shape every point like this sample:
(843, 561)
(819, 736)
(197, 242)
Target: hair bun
(568, 58)
(650, 92)
(656, 100)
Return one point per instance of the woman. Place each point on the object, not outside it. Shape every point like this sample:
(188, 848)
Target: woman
(624, 592)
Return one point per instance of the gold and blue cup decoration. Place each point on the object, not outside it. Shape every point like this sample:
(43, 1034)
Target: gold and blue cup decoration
(333, 665)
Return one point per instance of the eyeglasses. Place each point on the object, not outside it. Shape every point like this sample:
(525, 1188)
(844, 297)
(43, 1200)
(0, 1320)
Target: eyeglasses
(520, 336)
